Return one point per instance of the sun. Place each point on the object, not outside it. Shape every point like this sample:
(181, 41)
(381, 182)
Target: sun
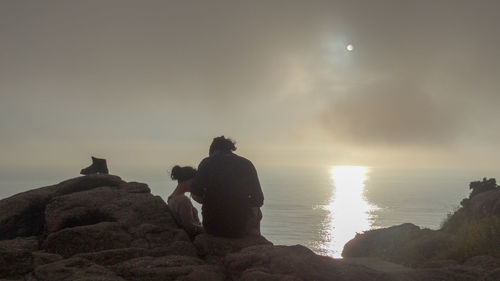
(350, 47)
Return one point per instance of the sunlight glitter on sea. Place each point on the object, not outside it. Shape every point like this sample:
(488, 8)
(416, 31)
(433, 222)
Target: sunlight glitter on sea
(348, 210)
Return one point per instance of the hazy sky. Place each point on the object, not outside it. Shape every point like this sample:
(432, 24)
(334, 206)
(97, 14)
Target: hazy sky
(150, 83)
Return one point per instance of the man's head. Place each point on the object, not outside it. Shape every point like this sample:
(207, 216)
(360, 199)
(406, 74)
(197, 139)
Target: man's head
(221, 145)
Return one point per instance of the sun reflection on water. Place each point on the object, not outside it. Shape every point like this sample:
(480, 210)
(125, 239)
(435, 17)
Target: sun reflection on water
(348, 211)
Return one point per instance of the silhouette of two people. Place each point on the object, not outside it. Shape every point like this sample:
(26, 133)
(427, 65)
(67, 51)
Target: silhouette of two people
(228, 188)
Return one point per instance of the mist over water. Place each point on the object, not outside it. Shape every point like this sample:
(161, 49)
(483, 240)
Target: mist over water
(319, 207)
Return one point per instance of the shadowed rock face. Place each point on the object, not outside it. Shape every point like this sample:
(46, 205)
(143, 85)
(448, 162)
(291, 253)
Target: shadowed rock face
(24, 214)
(468, 245)
(291, 263)
(99, 227)
(406, 244)
(87, 214)
(485, 203)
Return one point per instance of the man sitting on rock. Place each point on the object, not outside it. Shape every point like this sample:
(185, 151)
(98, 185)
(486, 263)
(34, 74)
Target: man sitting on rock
(228, 188)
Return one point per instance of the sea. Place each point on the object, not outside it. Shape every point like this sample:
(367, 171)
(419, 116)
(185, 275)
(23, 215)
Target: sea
(319, 207)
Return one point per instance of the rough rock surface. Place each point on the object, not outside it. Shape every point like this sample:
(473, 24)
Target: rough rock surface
(99, 227)
(466, 247)
(485, 203)
(214, 249)
(392, 244)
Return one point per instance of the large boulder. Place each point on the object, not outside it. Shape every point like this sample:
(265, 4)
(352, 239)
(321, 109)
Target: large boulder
(98, 219)
(107, 204)
(267, 262)
(213, 246)
(89, 238)
(404, 244)
(156, 236)
(24, 214)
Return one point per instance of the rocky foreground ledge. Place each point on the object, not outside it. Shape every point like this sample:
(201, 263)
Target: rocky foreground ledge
(99, 227)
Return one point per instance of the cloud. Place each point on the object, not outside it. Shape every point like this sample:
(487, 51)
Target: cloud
(147, 52)
(390, 112)
(422, 73)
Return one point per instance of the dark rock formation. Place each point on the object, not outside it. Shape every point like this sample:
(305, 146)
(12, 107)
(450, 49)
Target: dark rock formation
(214, 248)
(468, 244)
(486, 203)
(478, 187)
(99, 227)
(292, 263)
(55, 227)
(406, 244)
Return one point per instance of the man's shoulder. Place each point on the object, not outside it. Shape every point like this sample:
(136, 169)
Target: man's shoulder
(243, 160)
(226, 159)
(233, 156)
(205, 162)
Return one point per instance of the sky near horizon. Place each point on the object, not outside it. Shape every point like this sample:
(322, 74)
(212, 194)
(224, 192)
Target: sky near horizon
(150, 83)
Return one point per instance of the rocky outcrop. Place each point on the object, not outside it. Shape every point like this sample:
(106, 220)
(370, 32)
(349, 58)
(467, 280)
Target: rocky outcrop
(485, 203)
(24, 214)
(99, 227)
(292, 263)
(406, 244)
(214, 249)
(468, 244)
(83, 225)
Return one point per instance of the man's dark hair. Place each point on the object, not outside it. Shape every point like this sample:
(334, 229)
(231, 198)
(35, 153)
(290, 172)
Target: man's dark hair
(182, 173)
(222, 144)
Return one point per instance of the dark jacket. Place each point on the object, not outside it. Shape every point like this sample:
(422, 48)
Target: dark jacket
(230, 188)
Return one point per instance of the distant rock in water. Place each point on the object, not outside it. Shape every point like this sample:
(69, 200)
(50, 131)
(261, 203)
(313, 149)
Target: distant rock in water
(99, 227)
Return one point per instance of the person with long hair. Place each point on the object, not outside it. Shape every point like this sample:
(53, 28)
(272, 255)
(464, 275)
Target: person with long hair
(183, 211)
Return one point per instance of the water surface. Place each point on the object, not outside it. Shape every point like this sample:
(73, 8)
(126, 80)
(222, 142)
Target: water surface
(321, 208)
